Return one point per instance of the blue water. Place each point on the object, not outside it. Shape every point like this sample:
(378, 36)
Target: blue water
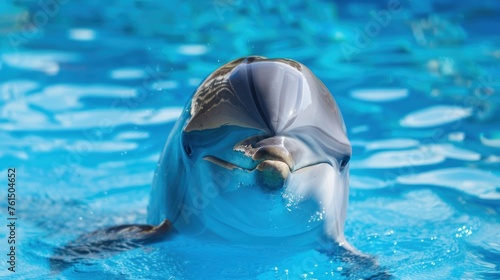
(89, 92)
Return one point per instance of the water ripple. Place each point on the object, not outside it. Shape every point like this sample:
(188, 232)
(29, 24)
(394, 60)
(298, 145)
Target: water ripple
(103, 119)
(57, 97)
(379, 95)
(434, 116)
(477, 183)
(398, 159)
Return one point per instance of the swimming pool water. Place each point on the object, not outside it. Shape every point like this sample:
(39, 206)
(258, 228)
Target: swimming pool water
(89, 92)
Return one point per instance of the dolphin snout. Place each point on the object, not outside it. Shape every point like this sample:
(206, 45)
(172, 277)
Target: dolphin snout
(277, 162)
(276, 153)
(275, 158)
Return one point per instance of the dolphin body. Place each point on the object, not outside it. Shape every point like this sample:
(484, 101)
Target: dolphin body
(259, 156)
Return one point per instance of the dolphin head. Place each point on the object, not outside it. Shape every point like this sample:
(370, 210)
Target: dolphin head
(259, 154)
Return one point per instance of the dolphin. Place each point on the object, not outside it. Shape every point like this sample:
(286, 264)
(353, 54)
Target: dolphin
(259, 156)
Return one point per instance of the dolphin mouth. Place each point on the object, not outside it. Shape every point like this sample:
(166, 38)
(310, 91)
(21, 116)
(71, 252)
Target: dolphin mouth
(270, 174)
(259, 166)
(265, 153)
(226, 164)
(273, 163)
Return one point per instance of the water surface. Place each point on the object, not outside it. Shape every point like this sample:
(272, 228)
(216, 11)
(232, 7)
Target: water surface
(89, 93)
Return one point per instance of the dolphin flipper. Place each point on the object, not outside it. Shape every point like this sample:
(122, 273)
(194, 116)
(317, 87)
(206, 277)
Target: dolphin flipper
(106, 242)
(357, 265)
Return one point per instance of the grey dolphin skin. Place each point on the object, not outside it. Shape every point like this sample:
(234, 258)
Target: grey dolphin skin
(259, 156)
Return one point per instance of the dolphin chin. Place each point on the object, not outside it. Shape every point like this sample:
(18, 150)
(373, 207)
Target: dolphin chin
(252, 215)
(272, 174)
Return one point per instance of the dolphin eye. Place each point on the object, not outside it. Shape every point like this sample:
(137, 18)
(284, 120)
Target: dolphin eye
(343, 162)
(188, 149)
